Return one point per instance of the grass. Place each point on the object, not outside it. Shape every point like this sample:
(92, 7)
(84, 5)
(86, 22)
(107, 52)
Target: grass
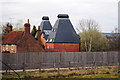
(100, 72)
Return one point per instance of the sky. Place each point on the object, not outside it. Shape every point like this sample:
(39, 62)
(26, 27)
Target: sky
(104, 12)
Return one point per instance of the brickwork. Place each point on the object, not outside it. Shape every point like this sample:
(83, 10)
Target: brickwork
(63, 47)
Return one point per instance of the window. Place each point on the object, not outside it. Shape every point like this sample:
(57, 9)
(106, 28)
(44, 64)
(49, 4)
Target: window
(3, 47)
(6, 47)
(48, 47)
(47, 40)
(51, 40)
(47, 32)
(53, 30)
(12, 47)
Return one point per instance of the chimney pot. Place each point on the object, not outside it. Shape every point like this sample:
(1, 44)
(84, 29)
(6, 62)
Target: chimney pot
(10, 28)
(38, 27)
(39, 34)
(28, 21)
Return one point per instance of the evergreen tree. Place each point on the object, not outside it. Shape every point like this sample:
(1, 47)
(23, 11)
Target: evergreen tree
(34, 30)
(5, 30)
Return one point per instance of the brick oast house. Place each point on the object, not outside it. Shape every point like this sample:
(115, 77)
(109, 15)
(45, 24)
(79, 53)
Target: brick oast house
(45, 28)
(20, 41)
(63, 37)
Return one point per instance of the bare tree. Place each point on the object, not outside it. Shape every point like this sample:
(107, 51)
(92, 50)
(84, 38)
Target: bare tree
(86, 24)
(19, 25)
(91, 38)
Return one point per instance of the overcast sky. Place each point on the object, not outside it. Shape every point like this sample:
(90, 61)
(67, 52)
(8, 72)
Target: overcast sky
(105, 12)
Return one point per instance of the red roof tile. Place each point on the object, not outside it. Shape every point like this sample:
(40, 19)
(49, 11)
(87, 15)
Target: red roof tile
(13, 37)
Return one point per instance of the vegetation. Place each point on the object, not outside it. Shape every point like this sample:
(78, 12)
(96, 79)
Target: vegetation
(34, 30)
(91, 38)
(19, 26)
(5, 30)
(86, 72)
(114, 44)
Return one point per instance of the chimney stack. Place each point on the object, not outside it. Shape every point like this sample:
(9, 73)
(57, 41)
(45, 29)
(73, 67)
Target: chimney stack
(27, 27)
(10, 28)
(39, 34)
(38, 27)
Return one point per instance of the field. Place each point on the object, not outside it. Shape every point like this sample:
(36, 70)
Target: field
(76, 72)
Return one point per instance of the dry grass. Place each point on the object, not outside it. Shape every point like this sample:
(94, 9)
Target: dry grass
(77, 72)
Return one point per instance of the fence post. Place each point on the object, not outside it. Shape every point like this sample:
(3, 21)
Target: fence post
(6, 69)
(54, 65)
(24, 69)
(92, 66)
(118, 68)
(40, 67)
(69, 65)
(95, 64)
(59, 68)
(118, 62)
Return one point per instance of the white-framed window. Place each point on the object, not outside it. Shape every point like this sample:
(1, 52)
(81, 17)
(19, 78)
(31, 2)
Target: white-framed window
(12, 47)
(47, 32)
(47, 40)
(6, 46)
(53, 30)
(51, 40)
(3, 47)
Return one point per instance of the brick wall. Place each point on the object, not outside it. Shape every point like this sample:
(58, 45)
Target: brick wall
(63, 47)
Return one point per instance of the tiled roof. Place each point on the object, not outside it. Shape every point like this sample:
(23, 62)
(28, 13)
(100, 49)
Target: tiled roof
(45, 25)
(13, 37)
(63, 31)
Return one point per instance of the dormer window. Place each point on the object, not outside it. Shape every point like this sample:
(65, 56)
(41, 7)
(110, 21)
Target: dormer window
(51, 40)
(6, 47)
(47, 32)
(53, 30)
(47, 40)
(12, 47)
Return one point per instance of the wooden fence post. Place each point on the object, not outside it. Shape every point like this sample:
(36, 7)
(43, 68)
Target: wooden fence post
(118, 68)
(54, 65)
(24, 69)
(40, 67)
(118, 62)
(69, 65)
(59, 68)
(92, 66)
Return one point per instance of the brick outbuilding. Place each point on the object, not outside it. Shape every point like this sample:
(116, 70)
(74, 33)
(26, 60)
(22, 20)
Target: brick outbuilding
(20, 41)
(63, 37)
